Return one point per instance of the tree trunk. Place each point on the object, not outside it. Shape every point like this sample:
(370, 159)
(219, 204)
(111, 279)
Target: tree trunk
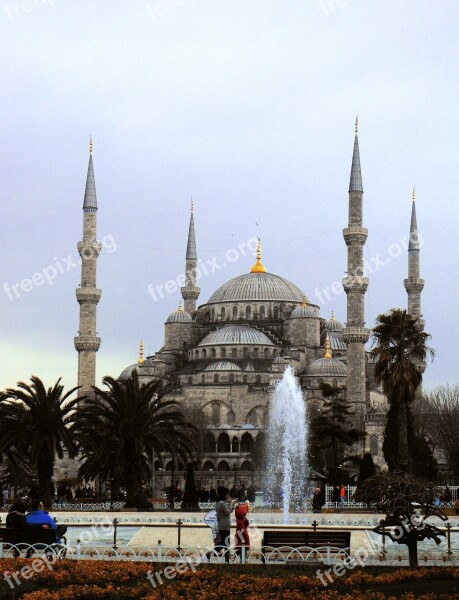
(412, 544)
(133, 479)
(45, 467)
(403, 456)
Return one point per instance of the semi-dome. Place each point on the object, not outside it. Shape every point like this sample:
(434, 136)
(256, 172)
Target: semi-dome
(256, 287)
(179, 316)
(223, 365)
(236, 334)
(128, 371)
(303, 311)
(327, 367)
(333, 325)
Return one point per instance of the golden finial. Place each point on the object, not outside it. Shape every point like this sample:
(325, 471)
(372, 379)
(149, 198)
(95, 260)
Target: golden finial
(332, 318)
(304, 303)
(140, 361)
(258, 267)
(90, 145)
(327, 348)
(414, 193)
(356, 124)
(192, 205)
(179, 309)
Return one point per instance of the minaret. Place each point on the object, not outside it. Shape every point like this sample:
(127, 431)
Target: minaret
(190, 293)
(414, 284)
(87, 343)
(355, 285)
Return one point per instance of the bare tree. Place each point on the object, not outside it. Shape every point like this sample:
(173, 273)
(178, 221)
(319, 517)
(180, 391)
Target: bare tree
(441, 420)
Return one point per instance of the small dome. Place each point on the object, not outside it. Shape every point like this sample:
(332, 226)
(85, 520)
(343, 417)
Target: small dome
(333, 325)
(327, 367)
(223, 365)
(336, 339)
(279, 359)
(249, 367)
(128, 371)
(304, 311)
(179, 316)
(236, 334)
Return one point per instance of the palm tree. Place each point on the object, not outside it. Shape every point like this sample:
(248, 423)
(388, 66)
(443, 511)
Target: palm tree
(118, 429)
(400, 352)
(35, 422)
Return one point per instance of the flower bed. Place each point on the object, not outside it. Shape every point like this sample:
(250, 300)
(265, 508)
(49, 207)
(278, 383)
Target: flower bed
(88, 580)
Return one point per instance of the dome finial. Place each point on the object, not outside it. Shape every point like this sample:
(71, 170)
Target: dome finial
(140, 361)
(332, 318)
(90, 145)
(258, 267)
(180, 309)
(327, 348)
(304, 304)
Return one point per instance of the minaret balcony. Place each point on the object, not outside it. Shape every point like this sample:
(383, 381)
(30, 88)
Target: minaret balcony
(355, 283)
(89, 249)
(87, 343)
(88, 295)
(355, 235)
(356, 335)
(414, 285)
(190, 294)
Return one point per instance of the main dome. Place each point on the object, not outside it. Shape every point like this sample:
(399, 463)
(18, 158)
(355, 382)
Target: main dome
(257, 287)
(236, 334)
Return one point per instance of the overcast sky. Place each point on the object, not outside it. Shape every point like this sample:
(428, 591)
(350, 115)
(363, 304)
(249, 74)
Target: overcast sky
(248, 107)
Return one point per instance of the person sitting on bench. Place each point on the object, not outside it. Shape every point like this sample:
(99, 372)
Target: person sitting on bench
(16, 517)
(37, 516)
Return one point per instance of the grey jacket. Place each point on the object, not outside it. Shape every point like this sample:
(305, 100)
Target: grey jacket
(224, 510)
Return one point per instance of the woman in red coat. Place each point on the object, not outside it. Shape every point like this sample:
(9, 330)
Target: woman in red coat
(242, 538)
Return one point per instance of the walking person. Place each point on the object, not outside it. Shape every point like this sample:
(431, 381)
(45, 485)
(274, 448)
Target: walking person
(242, 538)
(342, 494)
(224, 509)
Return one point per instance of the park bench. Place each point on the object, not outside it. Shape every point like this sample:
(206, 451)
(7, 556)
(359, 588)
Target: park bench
(30, 539)
(284, 541)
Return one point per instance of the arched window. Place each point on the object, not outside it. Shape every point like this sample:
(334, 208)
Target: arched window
(373, 445)
(216, 413)
(203, 353)
(213, 353)
(234, 352)
(208, 466)
(245, 352)
(234, 312)
(216, 378)
(235, 445)
(196, 354)
(244, 379)
(275, 353)
(209, 443)
(248, 313)
(223, 313)
(231, 378)
(276, 312)
(223, 466)
(247, 466)
(207, 317)
(231, 418)
(255, 353)
(262, 312)
(246, 442)
(212, 312)
(265, 352)
(223, 352)
(203, 378)
(223, 444)
(258, 379)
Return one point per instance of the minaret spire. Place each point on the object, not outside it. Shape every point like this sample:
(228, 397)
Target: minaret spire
(355, 285)
(190, 292)
(88, 295)
(414, 284)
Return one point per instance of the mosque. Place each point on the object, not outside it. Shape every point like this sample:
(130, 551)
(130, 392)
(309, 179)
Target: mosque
(224, 356)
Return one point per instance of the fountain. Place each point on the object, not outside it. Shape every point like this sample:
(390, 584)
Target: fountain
(287, 446)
